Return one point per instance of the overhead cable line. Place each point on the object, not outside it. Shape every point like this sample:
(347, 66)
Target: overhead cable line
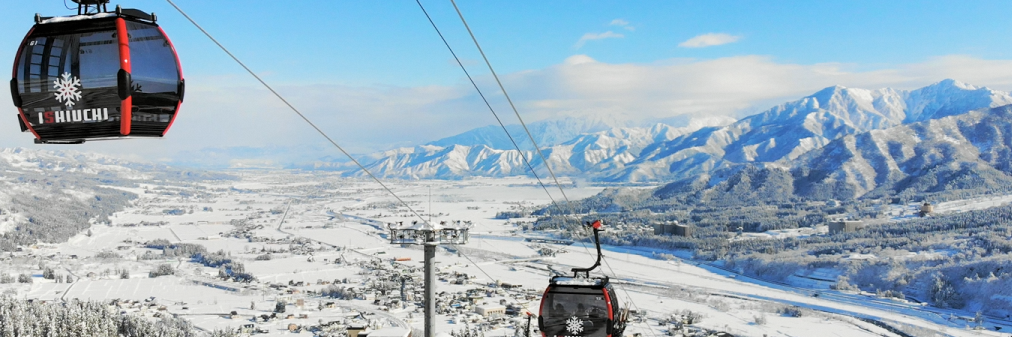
(359, 164)
(501, 87)
(336, 145)
(290, 106)
(572, 210)
(482, 95)
(516, 299)
(321, 132)
(528, 131)
(501, 124)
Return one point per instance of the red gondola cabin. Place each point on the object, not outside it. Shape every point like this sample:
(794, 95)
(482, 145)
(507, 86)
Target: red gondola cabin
(96, 76)
(582, 306)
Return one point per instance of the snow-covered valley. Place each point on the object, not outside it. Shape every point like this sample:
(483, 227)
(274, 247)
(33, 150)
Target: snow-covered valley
(306, 236)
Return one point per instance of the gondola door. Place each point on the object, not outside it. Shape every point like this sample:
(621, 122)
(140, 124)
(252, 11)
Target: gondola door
(576, 311)
(156, 87)
(68, 81)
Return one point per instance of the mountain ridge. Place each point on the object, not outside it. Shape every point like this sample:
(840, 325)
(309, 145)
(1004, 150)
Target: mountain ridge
(661, 152)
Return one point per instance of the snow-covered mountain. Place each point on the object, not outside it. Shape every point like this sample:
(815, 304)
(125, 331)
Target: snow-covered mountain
(608, 150)
(951, 157)
(967, 151)
(778, 137)
(790, 130)
(546, 133)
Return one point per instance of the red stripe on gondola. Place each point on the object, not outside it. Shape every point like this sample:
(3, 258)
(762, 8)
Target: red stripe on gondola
(14, 74)
(29, 125)
(179, 67)
(174, 114)
(541, 309)
(124, 63)
(607, 299)
(597, 224)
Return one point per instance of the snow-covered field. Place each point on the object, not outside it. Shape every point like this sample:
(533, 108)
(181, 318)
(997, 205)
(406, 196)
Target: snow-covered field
(911, 210)
(332, 229)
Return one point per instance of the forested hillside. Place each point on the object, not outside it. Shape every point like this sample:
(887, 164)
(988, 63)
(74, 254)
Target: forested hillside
(51, 196)
(23, 318)
(960, 260)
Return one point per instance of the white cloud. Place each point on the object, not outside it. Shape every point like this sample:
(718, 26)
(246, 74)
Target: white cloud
(596, 36)
(622, 23)
(733, 86)
(709, 40)
(366, 119)
(361, 119)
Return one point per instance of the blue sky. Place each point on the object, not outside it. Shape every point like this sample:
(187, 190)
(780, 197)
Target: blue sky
(376, 76)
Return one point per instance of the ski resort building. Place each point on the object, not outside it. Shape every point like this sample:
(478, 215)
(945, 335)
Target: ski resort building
(490, 310)
(845, 226)
(356, 330)
(673, 228)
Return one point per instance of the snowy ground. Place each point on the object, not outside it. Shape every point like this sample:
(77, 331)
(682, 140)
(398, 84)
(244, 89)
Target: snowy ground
(335, 212)
(911, 210)
(784, 233)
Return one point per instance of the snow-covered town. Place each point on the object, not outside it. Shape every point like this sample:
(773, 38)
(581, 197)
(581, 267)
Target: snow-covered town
(309, 253)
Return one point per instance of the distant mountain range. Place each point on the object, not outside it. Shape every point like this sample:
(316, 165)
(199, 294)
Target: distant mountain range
(864, 139)
(602, 151)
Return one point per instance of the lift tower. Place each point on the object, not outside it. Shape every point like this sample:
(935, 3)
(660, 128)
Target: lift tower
(429, 236)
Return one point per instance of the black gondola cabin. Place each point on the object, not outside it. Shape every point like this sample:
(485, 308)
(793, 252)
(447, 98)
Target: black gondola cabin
(581, 305)
(96, 76)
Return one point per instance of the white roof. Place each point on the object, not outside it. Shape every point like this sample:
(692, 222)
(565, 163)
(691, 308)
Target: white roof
(579, 281)
(390, 332)
(78, 17)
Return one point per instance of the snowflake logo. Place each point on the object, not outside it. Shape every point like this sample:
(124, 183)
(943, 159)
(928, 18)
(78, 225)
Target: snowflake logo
(66, 89)
(574, 325)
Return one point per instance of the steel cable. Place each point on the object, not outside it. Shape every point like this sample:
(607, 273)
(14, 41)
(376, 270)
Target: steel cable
(290, 106)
